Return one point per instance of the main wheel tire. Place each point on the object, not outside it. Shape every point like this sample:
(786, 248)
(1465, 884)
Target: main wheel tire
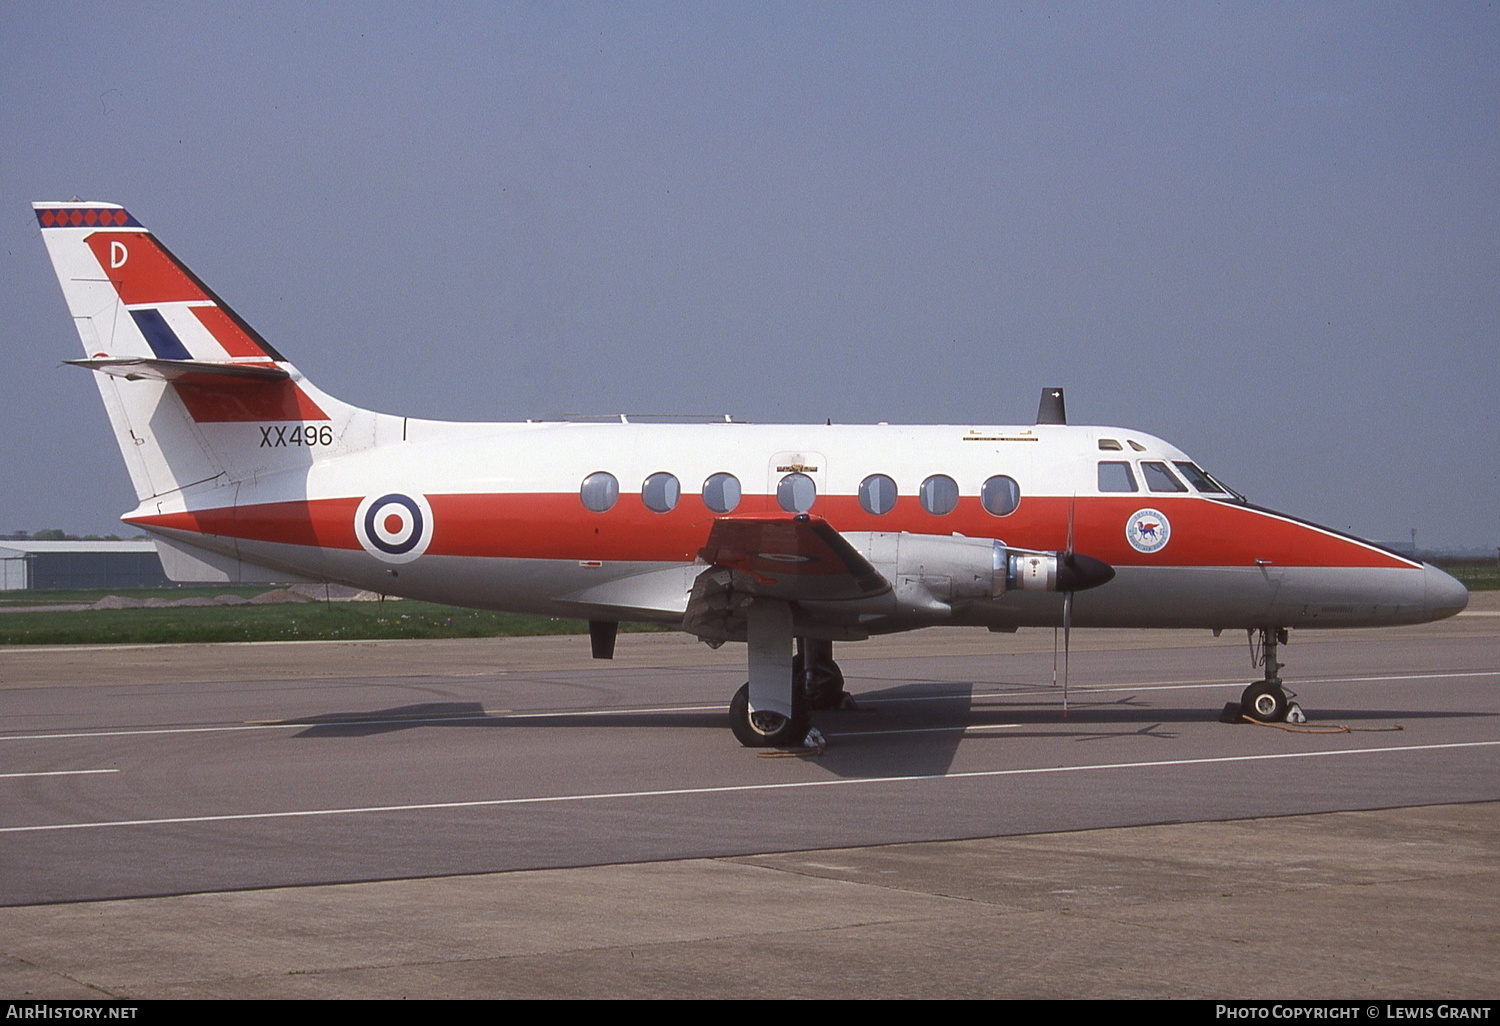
(1265, 702)
(766, 729)
(826, 689)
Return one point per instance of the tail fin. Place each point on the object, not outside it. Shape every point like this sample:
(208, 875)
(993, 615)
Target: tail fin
(197, 398)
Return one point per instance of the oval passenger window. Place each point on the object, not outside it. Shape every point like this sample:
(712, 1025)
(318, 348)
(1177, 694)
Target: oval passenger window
(877, 494)
(939, 494)
(659, 492)
(1000, 495)
(796, 493)
(599, 491)
(721, 493)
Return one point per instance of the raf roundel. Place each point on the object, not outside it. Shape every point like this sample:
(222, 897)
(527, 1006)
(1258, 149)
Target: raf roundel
(393, 527)
(1147, 531)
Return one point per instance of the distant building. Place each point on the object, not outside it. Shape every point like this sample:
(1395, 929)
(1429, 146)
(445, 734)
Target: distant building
(79, 564)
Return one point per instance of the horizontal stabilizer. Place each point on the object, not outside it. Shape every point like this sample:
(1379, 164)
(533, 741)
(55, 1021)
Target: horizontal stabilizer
(192, 564)
(184, 372)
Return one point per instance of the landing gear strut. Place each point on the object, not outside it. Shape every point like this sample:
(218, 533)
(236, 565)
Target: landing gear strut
(1266, 700)
(816, 675)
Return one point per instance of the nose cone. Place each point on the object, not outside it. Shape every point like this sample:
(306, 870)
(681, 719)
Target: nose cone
(1445, 595)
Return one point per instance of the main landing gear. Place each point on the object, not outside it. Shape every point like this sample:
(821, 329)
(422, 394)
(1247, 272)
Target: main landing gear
(817, 676)
(1266, 700)
(822, 688)
(771, 709)
(763, 728)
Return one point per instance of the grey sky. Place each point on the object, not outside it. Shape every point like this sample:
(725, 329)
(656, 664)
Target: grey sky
(1265, 232)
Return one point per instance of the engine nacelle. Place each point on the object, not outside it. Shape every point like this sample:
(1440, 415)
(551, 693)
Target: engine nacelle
(1033, 571)
(929, 572)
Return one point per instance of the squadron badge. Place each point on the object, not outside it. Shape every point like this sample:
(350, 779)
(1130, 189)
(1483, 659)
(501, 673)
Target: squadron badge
(1147, 530)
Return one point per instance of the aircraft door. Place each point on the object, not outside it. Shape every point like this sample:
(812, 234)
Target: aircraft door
(999, 498)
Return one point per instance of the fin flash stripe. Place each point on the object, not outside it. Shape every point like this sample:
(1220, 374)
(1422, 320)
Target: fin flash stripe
(77, 217)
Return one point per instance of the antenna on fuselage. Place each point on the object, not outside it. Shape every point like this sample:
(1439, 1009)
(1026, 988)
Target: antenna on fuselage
(1052, 409)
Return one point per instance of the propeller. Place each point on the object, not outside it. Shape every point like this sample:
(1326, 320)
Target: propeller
(1075, 573)
(1066, 561)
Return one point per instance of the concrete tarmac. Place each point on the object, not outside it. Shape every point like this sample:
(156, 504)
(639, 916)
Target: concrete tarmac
(981, 878)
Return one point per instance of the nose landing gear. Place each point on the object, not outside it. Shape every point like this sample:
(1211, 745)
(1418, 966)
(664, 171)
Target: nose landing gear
(1266, 700)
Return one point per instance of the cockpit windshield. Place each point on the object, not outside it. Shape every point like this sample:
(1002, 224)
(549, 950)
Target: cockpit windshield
(1200, 480)
(1159, 478)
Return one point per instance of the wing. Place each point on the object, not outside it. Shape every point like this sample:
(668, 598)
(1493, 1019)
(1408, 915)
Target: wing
(784, 556)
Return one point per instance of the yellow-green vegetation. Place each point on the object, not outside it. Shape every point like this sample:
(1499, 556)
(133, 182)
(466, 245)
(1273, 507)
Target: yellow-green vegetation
(295, 621)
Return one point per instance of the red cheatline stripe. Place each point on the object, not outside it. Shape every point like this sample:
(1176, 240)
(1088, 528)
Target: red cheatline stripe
(556, 526)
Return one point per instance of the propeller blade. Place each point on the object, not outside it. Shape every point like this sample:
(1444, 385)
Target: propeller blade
(1067, 645)
(1072, 509)
(1054, 653)
(1074, 572)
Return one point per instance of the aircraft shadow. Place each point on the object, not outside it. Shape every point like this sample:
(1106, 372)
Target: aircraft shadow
(907, 730)
(917, 728)
(367, 723)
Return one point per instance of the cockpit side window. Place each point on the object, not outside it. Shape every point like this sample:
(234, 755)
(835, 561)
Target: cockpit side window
(1198, 478)
(1159, 478)
(1116, 477)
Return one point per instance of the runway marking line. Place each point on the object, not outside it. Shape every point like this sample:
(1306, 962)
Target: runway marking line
(55, 773)
(735, 788)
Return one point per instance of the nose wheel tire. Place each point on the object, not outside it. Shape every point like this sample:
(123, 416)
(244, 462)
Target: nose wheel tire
(1265, 701)
(765, 729)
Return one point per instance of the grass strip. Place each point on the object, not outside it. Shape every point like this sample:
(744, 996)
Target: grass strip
(308, 621)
